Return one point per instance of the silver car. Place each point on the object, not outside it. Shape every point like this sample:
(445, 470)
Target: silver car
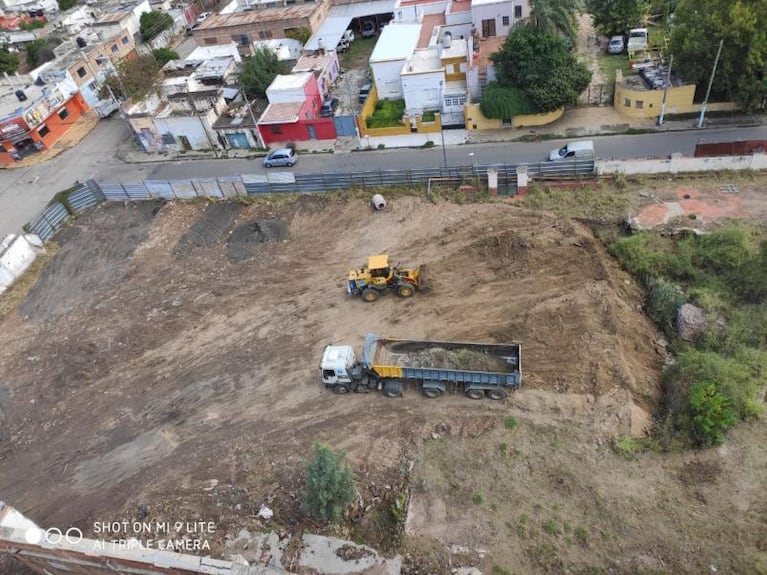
(281, 157)
(616, 45)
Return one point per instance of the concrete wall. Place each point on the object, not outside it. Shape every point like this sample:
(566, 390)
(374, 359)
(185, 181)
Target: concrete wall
(680, 164)
(387, 78)
(16, 254)
(527, 120)
(494, 12)
(475, 119)
(421, 91)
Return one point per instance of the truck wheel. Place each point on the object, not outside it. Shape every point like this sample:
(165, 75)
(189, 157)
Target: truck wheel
(405, 290)
(341, 388)
(392, 389)
(432, 392)
(475, 393)
(496, 394)
(369, 295)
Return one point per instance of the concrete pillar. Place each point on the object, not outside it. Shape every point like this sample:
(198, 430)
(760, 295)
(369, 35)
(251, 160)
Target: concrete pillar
(492, 181)
(522, 180)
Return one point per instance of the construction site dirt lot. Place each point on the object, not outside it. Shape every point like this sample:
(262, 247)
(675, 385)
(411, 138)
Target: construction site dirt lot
(165, 368)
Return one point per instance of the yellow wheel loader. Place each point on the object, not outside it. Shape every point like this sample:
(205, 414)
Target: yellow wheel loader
(379, 277)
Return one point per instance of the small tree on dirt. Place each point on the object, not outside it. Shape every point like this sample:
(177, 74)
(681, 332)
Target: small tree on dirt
(136, 78)
(330, 486)
(712, 414)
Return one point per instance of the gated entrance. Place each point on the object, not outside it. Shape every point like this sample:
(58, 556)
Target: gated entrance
(345, 126)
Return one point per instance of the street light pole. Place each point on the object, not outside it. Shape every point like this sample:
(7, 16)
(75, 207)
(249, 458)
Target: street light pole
(665, 91)
(710, 82)
(441, 120)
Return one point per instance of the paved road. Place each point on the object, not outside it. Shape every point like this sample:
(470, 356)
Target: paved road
(25, 192)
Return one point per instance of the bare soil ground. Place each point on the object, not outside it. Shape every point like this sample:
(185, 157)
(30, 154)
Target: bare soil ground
(153, 374)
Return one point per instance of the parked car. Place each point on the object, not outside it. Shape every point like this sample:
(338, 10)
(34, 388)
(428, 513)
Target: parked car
(328, 109)
(616, 45)
(365, 92)
(368, 29)
(281, 157)
(203, 16)
(343, 46)
(583, 149)
(348, 36)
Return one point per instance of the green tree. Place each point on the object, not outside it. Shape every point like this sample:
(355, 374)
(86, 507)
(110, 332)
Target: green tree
(742, 71)
(39, 52)
(555, 17)
(164, 55)
(152, 24)
(712, 414)
(9, 62)
(540, 65)
(259, 71)
(330, 486)
(136, 78)
(66, 4)
(504, 102)
(613, 17)
(300, 34)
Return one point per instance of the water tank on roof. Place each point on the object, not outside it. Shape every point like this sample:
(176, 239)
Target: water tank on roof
(21, 95)
(81, 43)
(447, 40)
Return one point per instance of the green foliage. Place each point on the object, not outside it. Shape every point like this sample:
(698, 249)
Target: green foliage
(741, 71)
(712, 414)
(330, 487)
(136, 77)
(399, 508)
(9, 62)
(300, 34)
(555, 17)
(504, 102)
(39, 52)
(31, 25)
(259, 71)
(628, 447)
(541, 67)
(387, 114)
(663, 301)
(613, 17)
(581, 534)
(152, 24)
(552, 527)
(477, 499)
(510, 422)
(66, 4)
(428, 116)
(164, 55)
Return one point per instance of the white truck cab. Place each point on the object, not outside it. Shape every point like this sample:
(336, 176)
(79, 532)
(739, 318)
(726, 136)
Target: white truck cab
(337, 364)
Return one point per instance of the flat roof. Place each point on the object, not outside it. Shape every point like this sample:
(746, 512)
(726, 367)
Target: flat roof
(458, 49)
(314, 62)
(488, 46)
(207, 52)
(111, 18)
(9, 103)
(284, 113)
(487, 2)
(256, 16)
(339, 18)
(290, 81)
(396, 42)
(423, 60)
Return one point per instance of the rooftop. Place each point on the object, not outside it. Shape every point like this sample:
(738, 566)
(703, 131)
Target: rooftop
(239, 115)
(206, 52)
(290, 81)
(423, 60)
(314, 62)
(285, 48)
(9, 103)
(281, 113)
(214, 68)
(112, 18)
(487, 46)
(396, 42)
(257, 16)
(458, 49)
(427, 30)
(460, 6)
(487, 2)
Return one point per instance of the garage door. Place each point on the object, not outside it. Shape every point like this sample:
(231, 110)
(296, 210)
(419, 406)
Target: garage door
(345, 126)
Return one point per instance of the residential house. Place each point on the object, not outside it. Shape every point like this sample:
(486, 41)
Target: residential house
(286, 49)
(395, 45)
(16, 41)
(35, 115)
(481, 71)
(121, 16)
(32, 7)
(263, 24)
(237, 126)
(496, 17)
(76, 19)
(219, 51)
(293, 111)
(325, 67)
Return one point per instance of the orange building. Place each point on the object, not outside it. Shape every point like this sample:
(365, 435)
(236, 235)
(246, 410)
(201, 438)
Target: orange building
(33, 117)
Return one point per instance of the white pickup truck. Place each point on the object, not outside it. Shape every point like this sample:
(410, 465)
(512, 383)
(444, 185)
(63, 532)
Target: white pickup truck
(637, 40)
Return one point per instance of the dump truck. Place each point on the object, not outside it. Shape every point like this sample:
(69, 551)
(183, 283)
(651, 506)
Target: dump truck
(434, 368)
(378, 277)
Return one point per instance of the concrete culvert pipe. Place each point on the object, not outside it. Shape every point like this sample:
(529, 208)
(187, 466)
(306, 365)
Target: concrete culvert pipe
(378, 202)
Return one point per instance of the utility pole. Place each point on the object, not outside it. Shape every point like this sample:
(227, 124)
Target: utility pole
(190, 100)
(665, 91)
(710, 82)
(441, 120)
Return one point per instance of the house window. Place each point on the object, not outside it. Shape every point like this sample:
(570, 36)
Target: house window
(517, 12)
(639, 104)
(43, 131)
(244, 40)
(265, 34)
(114, 48)
(210, 41)
(125, 40)
(627, 103)
(275, 129)
(63, 113)
(505, 20)
(81, 72)
(168, 139)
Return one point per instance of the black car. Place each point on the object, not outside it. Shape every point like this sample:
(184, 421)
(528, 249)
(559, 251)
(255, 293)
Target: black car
(364, 92)
(329, 108)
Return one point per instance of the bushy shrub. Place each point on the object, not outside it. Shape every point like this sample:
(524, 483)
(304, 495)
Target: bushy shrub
(330, 486)
(712, 414)
(663, 302)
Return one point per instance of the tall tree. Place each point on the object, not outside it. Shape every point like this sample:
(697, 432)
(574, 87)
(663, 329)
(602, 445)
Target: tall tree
(152, 24)
(259, 71)
(136, 77)
(164, 55)
(330, 486)
(9, 62)
(555, 17)
(742, 71)
(540, 65)
(612, 17)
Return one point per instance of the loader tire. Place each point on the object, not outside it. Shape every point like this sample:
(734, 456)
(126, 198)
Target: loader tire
(369, 295)
(405, 290)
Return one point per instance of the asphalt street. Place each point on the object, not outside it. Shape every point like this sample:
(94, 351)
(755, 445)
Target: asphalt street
(25, 192)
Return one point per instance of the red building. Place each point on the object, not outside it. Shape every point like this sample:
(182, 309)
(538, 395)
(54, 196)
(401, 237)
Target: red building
(293, 111)
(35, 117)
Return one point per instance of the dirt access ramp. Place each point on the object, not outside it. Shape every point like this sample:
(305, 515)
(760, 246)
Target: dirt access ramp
(155, 376)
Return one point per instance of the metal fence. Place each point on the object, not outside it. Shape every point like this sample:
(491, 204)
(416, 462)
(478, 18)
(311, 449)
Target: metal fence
(74, 202)
(289, 182)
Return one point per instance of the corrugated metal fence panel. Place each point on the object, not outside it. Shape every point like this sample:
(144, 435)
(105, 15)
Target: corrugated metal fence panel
(208, 187)
(114, 192)
(82, 199)
(232, 186)
(49, 221)
(160, 189)
(137, 191)
(184, 188)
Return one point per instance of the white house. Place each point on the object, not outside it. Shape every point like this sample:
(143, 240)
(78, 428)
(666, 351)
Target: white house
(217, 51)
(121, 17)
(395, 45)
(285, 48)
(423, 77)
(496, 17)
(325, 67)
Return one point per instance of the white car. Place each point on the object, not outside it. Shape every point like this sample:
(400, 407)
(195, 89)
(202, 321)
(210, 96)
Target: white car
(616, 45)
(204, 16)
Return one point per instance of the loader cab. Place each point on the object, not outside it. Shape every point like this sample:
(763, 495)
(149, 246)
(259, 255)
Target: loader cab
(380, 271)
(337, 365)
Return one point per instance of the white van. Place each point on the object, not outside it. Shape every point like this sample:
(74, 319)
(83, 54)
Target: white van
(580, 149)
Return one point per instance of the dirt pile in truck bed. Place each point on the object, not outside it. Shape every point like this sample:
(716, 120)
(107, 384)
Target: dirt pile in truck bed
(464, 359)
